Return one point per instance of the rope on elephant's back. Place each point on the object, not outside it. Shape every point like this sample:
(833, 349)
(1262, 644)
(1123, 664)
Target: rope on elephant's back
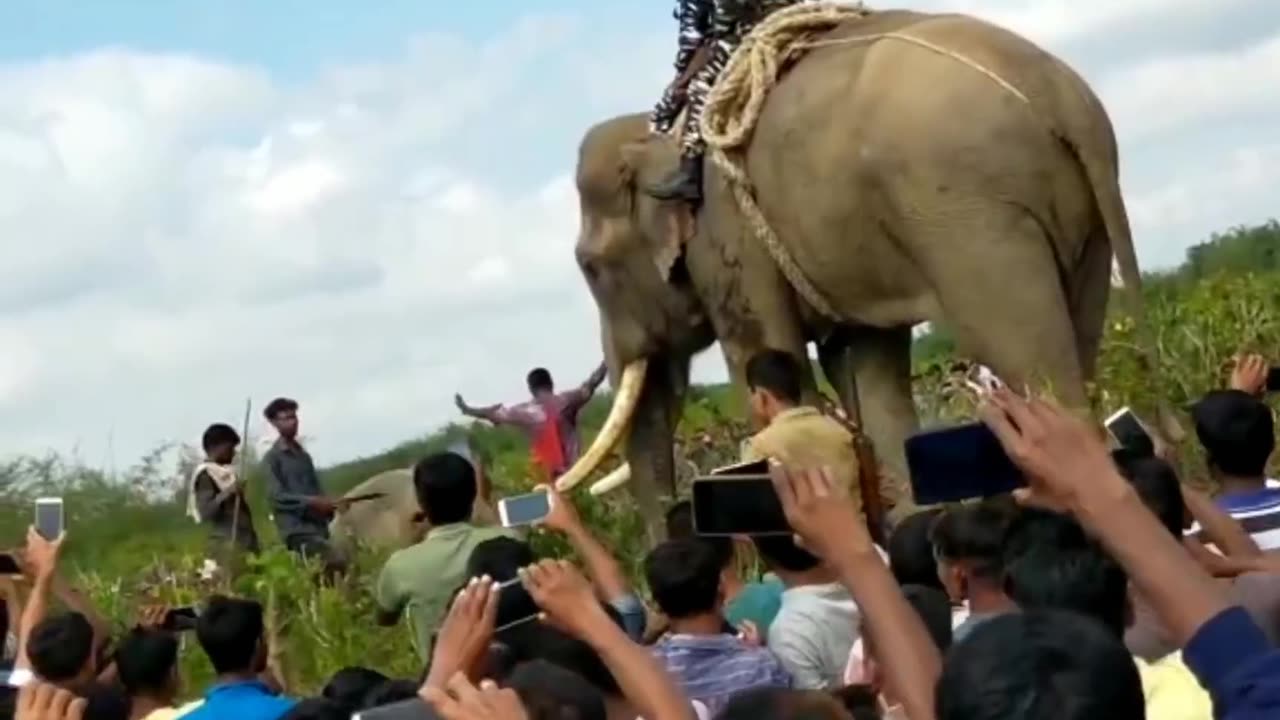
(734, 106)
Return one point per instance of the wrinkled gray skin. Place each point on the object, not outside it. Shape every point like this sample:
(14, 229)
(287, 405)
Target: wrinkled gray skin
(908, 187)
(389, 522)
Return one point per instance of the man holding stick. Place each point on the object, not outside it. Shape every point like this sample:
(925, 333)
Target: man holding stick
(302, 510)
(216, 497)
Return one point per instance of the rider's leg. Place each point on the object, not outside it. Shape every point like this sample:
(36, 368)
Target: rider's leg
(694, 17)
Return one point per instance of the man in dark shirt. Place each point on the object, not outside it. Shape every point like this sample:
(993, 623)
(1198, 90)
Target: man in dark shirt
(302, 510)
(218, 499)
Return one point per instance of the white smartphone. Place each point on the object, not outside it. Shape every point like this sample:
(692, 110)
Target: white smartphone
(1128, 431)
(49, 517)
(527, 509)
(15, 678)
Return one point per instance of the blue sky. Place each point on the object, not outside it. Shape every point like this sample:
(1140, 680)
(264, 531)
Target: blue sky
(369, 206)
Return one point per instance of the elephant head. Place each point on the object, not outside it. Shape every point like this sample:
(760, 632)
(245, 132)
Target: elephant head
(631, 252)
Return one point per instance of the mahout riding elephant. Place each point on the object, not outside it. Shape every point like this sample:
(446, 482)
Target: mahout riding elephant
(393, 521)
(967, 177)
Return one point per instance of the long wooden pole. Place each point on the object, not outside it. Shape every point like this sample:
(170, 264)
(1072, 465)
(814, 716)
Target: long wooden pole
(242, 474)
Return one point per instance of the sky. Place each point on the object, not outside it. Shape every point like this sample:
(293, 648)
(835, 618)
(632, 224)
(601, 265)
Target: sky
(370, 207)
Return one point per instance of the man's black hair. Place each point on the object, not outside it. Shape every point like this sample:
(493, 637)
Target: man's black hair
(934, 608)
(774, 703)
(389, 691)
(680, 527)
(860, 701)
(781, 553)
(539, 379)
(231, 632)
(278, 406)
(975, 534)
(501, 559)
(1156, 482)
(217, 435)
(549, 692)
(146, 660)
(684, 577)
(1237, 431)
(60, 647)
(316, 709)
(1051, 564)
(778, 373)
(1040, 664)
(538, 641)
(349, 686)
(445, 484)
(910, 552)
(104, 702)
(680, 520)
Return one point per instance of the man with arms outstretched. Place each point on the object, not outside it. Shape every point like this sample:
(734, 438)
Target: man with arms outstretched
(550, 419)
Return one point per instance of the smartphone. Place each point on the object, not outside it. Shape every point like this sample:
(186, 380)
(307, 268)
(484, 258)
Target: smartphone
(414, 709)
(1129, 433)
(959, 463)
(755, 467)
(181, 619)
(15, 678)
(49, 517)
(9, 565)
(524, 509)
(1273, 379)
(738, 505)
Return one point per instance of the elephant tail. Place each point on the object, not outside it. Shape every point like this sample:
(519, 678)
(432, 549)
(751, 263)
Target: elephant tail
(1093, 142)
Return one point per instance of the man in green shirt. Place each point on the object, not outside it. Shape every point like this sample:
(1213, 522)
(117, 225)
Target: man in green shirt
(422, 578)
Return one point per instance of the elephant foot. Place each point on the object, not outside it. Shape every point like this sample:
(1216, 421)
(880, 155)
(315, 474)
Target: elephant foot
(685, 183)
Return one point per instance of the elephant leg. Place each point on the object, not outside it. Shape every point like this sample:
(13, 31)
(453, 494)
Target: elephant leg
(1002, 295)
(1088, 289)
(870, 370)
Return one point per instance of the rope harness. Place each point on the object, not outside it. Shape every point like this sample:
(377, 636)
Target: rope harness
(734, 106)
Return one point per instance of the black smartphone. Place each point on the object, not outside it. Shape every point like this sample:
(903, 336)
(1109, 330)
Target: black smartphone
(1273, 379)
(49, 517)
(959, 463)
(1129, 433)
(9, 565)
(738, 505)
(181, 619)
(414, 709)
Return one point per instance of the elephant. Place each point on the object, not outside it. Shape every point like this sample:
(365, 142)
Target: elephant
(976, 187)
(394, 521)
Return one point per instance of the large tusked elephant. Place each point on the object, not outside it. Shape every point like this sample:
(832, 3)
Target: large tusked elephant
(908, 186)
(393, 521)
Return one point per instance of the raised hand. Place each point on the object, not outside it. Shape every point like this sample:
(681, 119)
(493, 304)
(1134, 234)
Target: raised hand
(41, 701)
(564, 595)
(1250, 374)
(461, 700)
(466, 631)
(819, 510)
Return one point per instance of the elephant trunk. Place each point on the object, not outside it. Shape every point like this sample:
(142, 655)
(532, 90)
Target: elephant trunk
(629, 391)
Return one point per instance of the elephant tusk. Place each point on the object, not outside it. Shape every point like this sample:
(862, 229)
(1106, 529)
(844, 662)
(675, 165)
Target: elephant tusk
(614, 480)
(624, 404)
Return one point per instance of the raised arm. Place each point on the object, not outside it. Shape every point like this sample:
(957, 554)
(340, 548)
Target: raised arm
(491, 413)
(606, 574)
(42, 562)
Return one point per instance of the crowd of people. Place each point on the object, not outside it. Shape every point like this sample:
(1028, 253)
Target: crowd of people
(1106, 588)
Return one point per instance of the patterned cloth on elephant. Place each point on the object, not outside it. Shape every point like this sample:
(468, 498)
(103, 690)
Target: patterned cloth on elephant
(720, 25)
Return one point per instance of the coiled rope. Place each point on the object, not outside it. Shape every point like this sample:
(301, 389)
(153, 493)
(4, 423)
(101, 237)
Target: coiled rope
(734, 105)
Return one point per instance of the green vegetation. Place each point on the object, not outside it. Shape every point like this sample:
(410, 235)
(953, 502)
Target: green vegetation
(131, 542)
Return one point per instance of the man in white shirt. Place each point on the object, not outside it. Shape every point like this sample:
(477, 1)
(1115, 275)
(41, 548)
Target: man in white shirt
(818, 621)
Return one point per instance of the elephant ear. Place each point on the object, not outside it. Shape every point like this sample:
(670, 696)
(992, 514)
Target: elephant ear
(672, 223)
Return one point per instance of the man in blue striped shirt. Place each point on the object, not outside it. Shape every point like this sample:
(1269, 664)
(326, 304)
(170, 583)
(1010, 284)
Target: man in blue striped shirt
(712, 666)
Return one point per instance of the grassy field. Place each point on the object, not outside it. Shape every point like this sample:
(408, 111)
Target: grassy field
(132, 544)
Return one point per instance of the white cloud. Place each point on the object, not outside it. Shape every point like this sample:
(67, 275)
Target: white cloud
(179, 233)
